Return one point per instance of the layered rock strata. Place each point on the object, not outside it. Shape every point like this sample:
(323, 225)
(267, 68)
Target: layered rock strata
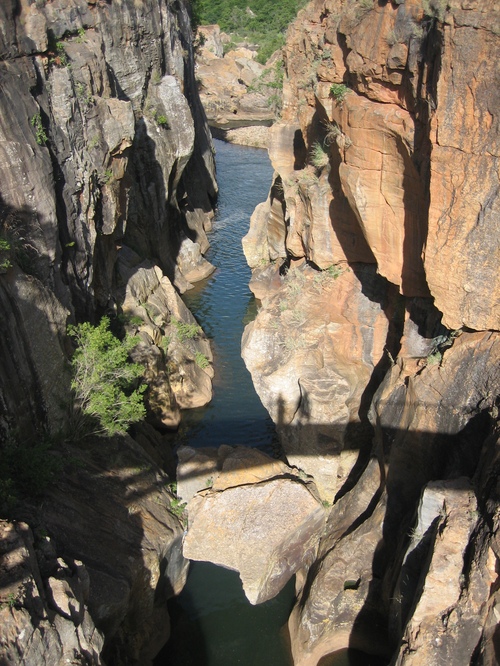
(107, 192)
(376, 347)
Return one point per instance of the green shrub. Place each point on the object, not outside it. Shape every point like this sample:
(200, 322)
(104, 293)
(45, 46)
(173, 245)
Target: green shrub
(162, 120)
(324, 278)
(201, 360)
(318, 155)
(186, 331)
(59, 56)
(264, 25)
(104, 379)
(107, 176)
(5, 249)
(338, 91)
(40, 136)
(80, 35)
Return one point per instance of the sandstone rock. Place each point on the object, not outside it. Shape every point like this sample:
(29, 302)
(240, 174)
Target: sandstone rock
(266, 531)
(210, 39)
(447, 511)
(34, 375)
(227, 88)
(255, 136)
(421, 413)
(341, 608)
(310, 371)
(469, 208)
(385, 191)
(242, 466)
(196, 470)
(149, 294)
(112, 513)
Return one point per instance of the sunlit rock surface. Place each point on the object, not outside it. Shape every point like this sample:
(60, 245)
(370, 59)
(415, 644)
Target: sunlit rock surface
(384, 383)
(259, 518)
(311, 352)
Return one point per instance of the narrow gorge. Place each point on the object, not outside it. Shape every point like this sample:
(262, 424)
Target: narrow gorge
(374, 345)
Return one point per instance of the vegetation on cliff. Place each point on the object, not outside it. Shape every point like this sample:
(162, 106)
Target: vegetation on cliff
(263, 23)
(104, 381)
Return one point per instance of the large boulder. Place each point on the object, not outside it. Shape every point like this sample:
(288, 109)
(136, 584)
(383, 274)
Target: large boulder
(260, 519)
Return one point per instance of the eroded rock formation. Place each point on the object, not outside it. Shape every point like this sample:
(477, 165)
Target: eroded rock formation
(258, 517)
(376, 347)
(107, 190)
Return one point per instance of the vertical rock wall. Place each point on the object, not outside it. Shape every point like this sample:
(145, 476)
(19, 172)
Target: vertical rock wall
(104, 150)
(107, 186)
(376, 347)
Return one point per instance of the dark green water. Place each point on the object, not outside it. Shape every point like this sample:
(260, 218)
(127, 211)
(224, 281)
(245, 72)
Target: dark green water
(223, 305)
(212, 622)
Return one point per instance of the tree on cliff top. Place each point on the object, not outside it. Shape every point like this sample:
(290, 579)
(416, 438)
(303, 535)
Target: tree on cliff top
(104, 378)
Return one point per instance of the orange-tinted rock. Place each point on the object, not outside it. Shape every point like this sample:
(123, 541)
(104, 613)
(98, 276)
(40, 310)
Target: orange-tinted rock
(462, 255)
(228, 84)
(384, 189)
(266, 529)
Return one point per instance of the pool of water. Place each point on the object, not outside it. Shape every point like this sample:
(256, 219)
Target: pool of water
(213, 624)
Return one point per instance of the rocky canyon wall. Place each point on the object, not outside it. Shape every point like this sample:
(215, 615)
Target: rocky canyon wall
(107, 190)
(376, 349)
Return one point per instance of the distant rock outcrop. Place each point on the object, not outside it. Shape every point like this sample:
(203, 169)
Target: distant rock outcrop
(240, 96)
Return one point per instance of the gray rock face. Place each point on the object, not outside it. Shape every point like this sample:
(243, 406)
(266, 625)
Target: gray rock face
(45, 619)
(103, 144)
(107, 186)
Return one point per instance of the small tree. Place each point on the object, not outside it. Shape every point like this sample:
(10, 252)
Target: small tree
(104, 378)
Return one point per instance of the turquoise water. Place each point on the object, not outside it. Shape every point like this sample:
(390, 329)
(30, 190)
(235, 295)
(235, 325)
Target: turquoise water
(213, 624)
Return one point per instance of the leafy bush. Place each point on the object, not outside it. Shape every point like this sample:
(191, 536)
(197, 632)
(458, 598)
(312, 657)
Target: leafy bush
(201, 360)
(338, 91)
(162, 120)
(258, 21)
(5, 249)
(40, 135)
(318, 155)
(104, 379)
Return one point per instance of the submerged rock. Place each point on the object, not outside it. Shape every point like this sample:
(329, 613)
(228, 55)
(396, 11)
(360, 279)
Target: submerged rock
(259, 519)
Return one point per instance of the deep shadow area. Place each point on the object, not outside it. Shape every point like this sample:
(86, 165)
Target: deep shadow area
(213, 623)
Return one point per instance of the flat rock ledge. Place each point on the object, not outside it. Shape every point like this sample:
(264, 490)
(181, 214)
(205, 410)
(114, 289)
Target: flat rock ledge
(260, 518)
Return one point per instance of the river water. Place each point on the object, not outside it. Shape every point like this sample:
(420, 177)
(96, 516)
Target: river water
(212, 622)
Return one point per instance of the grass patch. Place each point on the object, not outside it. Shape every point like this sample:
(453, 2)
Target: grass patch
(186, 331)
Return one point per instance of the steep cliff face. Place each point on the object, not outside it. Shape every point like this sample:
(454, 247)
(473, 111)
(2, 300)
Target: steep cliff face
(107, 189)
(104, 150)
(376, 347)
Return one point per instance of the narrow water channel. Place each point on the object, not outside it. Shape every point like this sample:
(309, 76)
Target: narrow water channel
(223, 305)
(212, 622)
